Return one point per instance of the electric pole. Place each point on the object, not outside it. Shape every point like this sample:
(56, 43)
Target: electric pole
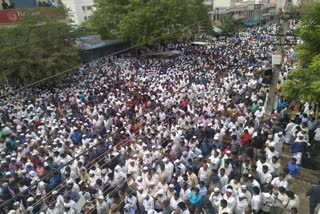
(277, 58)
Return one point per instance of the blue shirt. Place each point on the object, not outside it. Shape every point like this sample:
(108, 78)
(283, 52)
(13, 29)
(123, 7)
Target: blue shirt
(177, 187)
(76, 137)
(294, 169)
(195, 199)
(296, 147)
(54, 181)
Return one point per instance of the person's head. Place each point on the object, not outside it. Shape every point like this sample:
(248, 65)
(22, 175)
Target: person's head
(223, 203)
(265, 168)
(290, 194)
(222, 171)
(195, 190)
(216, 191)
(285, 171)
(176, 196)
(294, 210)
(282, 190)
(205, 165)
(256, 190)
(247, 210)
(229, 191)
(293, 160)
(281, 176)
(274, 159)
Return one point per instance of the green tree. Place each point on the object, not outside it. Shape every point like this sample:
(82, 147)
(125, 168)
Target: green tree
(37, 47)
(228, 24)
(304, 81)
(140, 21)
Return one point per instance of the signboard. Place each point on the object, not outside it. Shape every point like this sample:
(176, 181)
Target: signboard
(11, 16)
(257, 6)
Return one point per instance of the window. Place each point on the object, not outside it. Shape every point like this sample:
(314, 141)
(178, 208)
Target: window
(89, 7)
(86, 17)
(83, 8)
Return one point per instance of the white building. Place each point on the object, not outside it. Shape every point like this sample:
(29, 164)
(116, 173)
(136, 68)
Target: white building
(280, 3)
(80, 10)
(224, 3)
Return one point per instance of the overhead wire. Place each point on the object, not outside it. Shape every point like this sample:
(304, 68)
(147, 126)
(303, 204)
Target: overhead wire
(149, 110)
(47, 176)
(90, 148)
(120, 185)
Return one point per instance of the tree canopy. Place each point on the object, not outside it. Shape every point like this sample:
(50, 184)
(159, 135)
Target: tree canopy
(35, 48)
(304, 81)
(140, 21)
(228, 24)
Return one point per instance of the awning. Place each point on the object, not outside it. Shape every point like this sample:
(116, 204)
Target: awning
(163, 53)
(199, 43)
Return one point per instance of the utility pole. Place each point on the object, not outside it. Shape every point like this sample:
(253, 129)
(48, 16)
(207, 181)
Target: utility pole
(213, 15)
(277, 58)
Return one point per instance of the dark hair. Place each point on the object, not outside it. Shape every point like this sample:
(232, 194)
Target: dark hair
(294, 210)
(290, 194)
(282, 189)
(224, 202)
(256, 190)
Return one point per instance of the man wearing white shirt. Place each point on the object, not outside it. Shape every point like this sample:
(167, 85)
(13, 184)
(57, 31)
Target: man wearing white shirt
(223, 208)
(270, 141)
(230, 199)
(266, 202)
(141, 194)
(278, 140)
(293, 201)
(270, 151)
(261, 162)
(265, 177)
(241, 204)
(204, 173)
(169, 167)
(278, 182)
(185, 191)
(215, 198)
(244, 190)
(148, 203)
(280, 200)
(256, 200)
(224, 180)
(175, 200)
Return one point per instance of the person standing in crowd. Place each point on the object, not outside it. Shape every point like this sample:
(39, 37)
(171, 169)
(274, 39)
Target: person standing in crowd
(314, 196)
(293, 201)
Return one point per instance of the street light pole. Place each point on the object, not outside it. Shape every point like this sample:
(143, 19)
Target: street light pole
(277, 59)
(213, 11)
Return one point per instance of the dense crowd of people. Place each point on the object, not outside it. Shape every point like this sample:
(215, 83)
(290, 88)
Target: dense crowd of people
(185, 134)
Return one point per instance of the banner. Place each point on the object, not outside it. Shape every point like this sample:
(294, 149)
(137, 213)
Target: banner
(10, 16)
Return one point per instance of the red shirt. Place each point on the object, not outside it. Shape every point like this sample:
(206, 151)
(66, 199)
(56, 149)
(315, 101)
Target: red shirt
(245, 139)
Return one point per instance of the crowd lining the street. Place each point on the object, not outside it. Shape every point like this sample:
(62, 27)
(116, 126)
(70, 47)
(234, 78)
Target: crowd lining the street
(148, 135)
